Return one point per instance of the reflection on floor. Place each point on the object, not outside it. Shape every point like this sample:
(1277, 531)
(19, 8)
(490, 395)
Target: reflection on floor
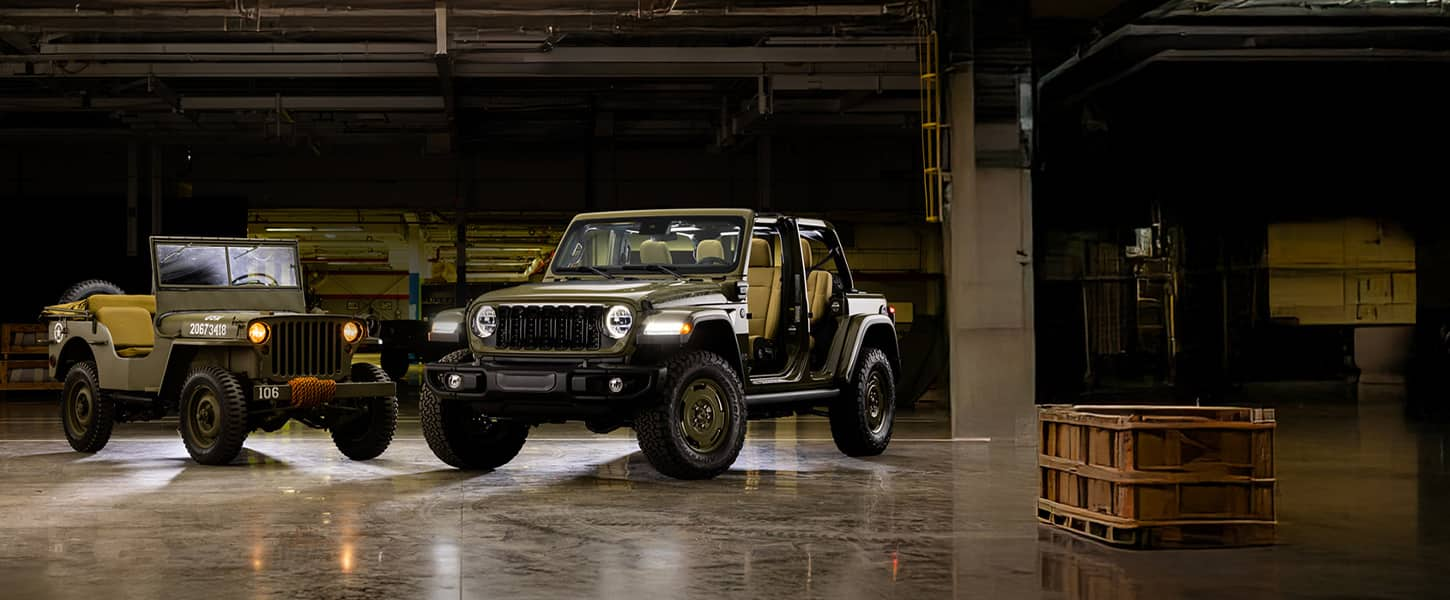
(1362, 504)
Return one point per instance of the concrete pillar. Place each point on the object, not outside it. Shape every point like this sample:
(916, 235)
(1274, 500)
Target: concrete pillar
(988, 233)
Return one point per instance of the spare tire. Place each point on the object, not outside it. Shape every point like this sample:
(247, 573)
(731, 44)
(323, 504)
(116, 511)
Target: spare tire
(88, 288)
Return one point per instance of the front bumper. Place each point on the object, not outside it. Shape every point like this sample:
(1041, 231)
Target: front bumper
(554, 390)
(303, 393)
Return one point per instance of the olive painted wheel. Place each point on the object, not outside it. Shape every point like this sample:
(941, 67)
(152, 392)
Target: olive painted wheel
(86, 414)
(863, 415)
(695, 429)
(213, 415)
(462, 436)
(368, 430)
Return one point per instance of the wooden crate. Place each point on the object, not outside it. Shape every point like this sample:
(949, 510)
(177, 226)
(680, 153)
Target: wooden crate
(22, 339)
(1158, 476)
(1211, 441)
(20, 375)
(1160, 499)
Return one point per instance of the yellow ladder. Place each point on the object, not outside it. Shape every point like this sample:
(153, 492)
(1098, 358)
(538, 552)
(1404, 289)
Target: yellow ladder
(931, 117)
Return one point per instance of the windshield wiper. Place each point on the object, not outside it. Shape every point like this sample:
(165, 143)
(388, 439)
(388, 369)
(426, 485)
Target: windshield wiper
(599, 271)
(168, 257)
(654, 267)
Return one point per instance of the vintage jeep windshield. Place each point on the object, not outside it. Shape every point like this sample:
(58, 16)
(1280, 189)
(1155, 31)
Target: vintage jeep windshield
(233, 265)
(695, 244)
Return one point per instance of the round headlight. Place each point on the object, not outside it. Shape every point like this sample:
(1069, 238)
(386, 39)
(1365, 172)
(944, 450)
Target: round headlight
(258, 332)
(618, 321)
(485, 321)
(352, 331)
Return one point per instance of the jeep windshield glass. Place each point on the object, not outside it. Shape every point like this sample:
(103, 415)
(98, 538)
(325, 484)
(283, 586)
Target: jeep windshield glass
(704, 244)
(237, 265)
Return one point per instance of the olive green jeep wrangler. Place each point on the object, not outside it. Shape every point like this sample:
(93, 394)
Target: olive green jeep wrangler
(681, 324)
(225, 343)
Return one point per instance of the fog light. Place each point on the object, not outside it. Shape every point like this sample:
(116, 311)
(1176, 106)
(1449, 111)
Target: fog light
(616, 385)
(454, 381)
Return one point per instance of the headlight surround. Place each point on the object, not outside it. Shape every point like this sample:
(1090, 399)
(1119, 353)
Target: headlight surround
(258, 332)
(617, 321)
(352, 331)
(485, 321)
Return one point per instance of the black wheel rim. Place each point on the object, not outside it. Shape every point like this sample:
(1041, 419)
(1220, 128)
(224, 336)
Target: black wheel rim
(875, 402)
(703, 415)
(204, 420)
(80, 409)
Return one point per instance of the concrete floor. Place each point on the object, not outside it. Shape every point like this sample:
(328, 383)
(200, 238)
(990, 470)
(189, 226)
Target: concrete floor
(1363, 502)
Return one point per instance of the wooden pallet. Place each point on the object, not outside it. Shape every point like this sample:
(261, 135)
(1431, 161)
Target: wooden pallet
(1160, 535)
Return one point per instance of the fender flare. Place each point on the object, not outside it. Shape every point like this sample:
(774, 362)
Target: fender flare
(881, 330)
(729, 348)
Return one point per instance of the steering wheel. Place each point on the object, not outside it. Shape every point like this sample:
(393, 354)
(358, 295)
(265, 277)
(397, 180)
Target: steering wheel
(263, 279)
(711, 260)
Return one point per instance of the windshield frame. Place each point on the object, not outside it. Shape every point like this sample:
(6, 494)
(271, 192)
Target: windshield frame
(723, 269)
(228, 247)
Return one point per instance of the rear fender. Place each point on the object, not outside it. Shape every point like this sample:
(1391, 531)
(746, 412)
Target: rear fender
(874, 331)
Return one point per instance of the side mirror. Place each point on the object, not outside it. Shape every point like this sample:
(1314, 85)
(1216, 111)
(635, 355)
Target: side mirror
(737, 291)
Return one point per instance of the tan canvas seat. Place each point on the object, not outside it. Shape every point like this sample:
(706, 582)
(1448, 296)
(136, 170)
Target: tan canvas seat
(129, 319)
(763, 300)
(654, 252)
(147, 302)
(819, 284)
(709, 249)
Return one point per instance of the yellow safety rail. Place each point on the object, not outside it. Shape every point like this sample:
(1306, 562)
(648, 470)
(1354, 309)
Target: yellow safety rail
(931, 117)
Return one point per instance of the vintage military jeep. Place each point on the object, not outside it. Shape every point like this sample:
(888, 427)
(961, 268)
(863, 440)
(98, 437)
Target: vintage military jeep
(225, 344)
(680, 324)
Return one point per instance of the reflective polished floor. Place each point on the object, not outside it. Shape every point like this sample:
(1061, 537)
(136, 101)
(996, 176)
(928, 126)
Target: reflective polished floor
(1363, 501)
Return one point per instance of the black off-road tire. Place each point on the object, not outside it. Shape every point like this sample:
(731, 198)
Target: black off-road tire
(88, 288)
(665, 438)
(85, 414)
(366, 436)
(213, 435)
(460, 436)
(855, 427)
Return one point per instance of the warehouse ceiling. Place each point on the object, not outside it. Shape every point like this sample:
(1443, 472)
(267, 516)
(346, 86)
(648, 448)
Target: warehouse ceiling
(457, 72)
(1290, 33)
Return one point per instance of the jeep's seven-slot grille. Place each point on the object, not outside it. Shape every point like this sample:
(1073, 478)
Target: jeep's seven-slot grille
(307, 347)
(550, 327)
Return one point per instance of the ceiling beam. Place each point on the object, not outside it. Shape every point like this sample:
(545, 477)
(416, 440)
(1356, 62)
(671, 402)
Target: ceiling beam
(902, 54)
(794, 76)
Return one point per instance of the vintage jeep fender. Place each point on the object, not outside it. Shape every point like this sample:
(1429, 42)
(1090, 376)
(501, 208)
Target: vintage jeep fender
(867, 330)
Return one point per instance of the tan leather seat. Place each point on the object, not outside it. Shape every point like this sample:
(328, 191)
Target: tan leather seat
(763, 300)
(132, 333)
(654, 252)
(709, 249)
(819, 284)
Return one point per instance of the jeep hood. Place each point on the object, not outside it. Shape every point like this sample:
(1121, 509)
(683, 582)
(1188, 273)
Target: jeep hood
(631, 291)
